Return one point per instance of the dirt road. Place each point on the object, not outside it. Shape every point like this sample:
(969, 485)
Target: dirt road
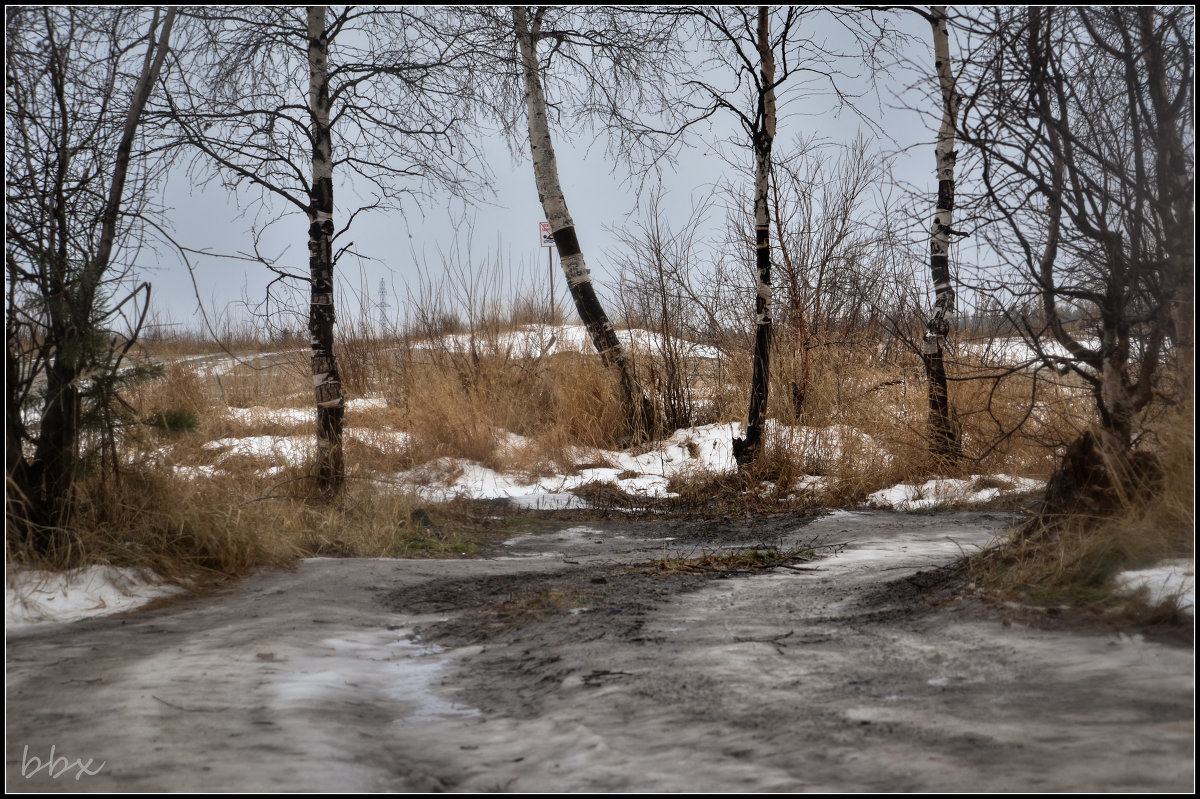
(558, 664)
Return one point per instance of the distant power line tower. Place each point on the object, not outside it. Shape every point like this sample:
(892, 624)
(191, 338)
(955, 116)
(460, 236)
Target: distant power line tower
(382, 304)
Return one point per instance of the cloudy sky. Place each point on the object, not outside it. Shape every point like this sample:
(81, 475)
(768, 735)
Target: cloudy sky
(403, 249)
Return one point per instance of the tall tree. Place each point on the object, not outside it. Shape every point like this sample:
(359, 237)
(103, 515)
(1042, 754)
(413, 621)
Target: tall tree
(763, 140)
(381, 105)
(76, 86)
(763, 49)
(943, 440)
(327, 384)
(639, 413)
(1081, 122)
(608, 66)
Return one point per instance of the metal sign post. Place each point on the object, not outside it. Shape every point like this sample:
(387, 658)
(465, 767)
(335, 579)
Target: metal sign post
(548, 243)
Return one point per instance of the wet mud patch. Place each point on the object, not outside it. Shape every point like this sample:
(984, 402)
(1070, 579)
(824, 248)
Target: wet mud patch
(576, 604)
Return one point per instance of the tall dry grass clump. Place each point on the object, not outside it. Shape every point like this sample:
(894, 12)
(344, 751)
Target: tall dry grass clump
(1075, 555)
(465, 407)
(151, 519)
(232, 521)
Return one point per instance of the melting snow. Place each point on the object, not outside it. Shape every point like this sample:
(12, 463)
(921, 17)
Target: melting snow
(1174, 579)
(535, 340)
(947, 490)
(290, 448)
(35, 596)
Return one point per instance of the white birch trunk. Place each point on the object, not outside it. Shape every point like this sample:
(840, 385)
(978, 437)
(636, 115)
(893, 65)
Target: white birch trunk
(639, 413)
(943, 438)
(746, 450)
(946, 156)
(327, 383)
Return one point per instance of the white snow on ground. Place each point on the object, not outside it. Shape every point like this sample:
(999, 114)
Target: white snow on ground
(287, 448)
(221, 365)
(365, 403)
(707, 448)
(1012, 352)
(942, 491)
(258, 414)
(35, 596)
(827, 444)
(385, 439)
(532, 341)
(1174, 579)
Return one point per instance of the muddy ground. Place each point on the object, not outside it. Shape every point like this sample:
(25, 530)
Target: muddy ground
(600, 656)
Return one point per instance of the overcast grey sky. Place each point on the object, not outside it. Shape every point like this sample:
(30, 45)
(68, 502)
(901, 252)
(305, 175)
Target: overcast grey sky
(403, 248)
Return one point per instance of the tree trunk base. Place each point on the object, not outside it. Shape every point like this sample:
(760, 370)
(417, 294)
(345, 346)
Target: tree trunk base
(745, 450)
(1093, 481)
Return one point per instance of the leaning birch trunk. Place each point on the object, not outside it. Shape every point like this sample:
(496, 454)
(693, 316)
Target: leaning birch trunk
(943, 440)
(639, 412)
(326, 382)
(747, 450)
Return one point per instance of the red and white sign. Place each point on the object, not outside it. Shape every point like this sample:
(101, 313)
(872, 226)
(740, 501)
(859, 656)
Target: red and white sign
(547, 239)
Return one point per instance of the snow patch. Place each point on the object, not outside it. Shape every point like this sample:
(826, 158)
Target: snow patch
(1172, 580)
(946, 490)
(532, 341)
(31, 597)
(288, 448)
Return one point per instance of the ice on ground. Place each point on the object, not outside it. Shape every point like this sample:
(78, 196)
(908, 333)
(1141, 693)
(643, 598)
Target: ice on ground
(941, 491)
(1171, 580)
(339, 667)
(31, 597)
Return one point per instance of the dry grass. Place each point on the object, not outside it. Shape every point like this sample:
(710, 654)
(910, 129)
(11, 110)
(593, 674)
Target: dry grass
(185, 505)
(1075, 558)
(233, 521)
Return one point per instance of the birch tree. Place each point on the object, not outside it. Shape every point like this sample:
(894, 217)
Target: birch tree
(763, 139)
(943, 440)
(611, 68)
(327, 384)
(762, 49)
(76, 85)
(383, 81)
(1083, 150)
(562, 227)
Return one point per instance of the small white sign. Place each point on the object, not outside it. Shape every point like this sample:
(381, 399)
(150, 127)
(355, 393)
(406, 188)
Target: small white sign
(547, 238)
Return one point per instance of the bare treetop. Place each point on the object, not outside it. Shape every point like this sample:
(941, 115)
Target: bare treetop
(397, 95)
